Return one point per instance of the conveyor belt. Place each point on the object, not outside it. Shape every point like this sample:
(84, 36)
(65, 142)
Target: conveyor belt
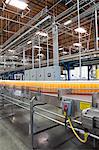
(53, 86)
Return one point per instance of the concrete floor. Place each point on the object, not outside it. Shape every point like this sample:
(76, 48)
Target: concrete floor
(14, 135)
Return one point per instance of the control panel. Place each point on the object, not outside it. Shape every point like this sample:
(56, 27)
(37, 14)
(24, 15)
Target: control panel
(67, 106)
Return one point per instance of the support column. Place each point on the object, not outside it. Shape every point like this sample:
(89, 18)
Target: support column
(32, 53)
(39, 52)
(55, 45)
(88, 72)
(89, 68)
(47, 53)
(13, 64)
(32, 122)
(24, 56)
(96, 28)
(80, 68)
(65, 68)
(4, 62)
(68, 70)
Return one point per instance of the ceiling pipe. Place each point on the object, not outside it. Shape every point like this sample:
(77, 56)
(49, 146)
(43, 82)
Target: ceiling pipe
(84, 13)
(24, 28)
(4, 18)
(88, 11)
(16, 13)
(39, 23)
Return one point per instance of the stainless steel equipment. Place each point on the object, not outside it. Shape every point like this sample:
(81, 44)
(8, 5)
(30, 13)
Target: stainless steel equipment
(90, 119)
(90, 116)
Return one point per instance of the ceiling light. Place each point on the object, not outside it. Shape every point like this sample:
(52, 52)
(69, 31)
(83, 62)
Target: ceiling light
(80, 30)
(77, 44)
(61, 48)
(11, 51)
(37, 47)
(21, 4)
(16, 57)
(95, 55)
(67, 22)
(29, 42)
(64, 52)
(41, 33)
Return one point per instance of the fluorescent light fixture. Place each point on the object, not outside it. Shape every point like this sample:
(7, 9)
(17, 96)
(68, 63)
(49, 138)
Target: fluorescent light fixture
(29, 42)
(61, 48)
(37, 47)
(64, 52)
(95, 55)
(80, 30)
(41, 33)
(67, 22)
(77, 44)
(98, 38)
(16, 57)
(21, 4)
(11, 51)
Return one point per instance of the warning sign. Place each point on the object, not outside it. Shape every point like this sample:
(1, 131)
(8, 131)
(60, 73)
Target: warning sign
(84, 105)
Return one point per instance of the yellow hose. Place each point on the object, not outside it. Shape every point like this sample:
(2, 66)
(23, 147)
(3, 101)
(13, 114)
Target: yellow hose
(85, 134)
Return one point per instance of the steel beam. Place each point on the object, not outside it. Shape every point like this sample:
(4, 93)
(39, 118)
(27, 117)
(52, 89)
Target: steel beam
(24, 60)
(55, 45)
(47, 52)
(35, 18)
(80, 69)
(28, 31)
(96, 27)
(32, 53)
(18, 22)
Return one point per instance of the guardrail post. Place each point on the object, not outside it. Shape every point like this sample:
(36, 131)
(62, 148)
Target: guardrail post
(32, 121)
